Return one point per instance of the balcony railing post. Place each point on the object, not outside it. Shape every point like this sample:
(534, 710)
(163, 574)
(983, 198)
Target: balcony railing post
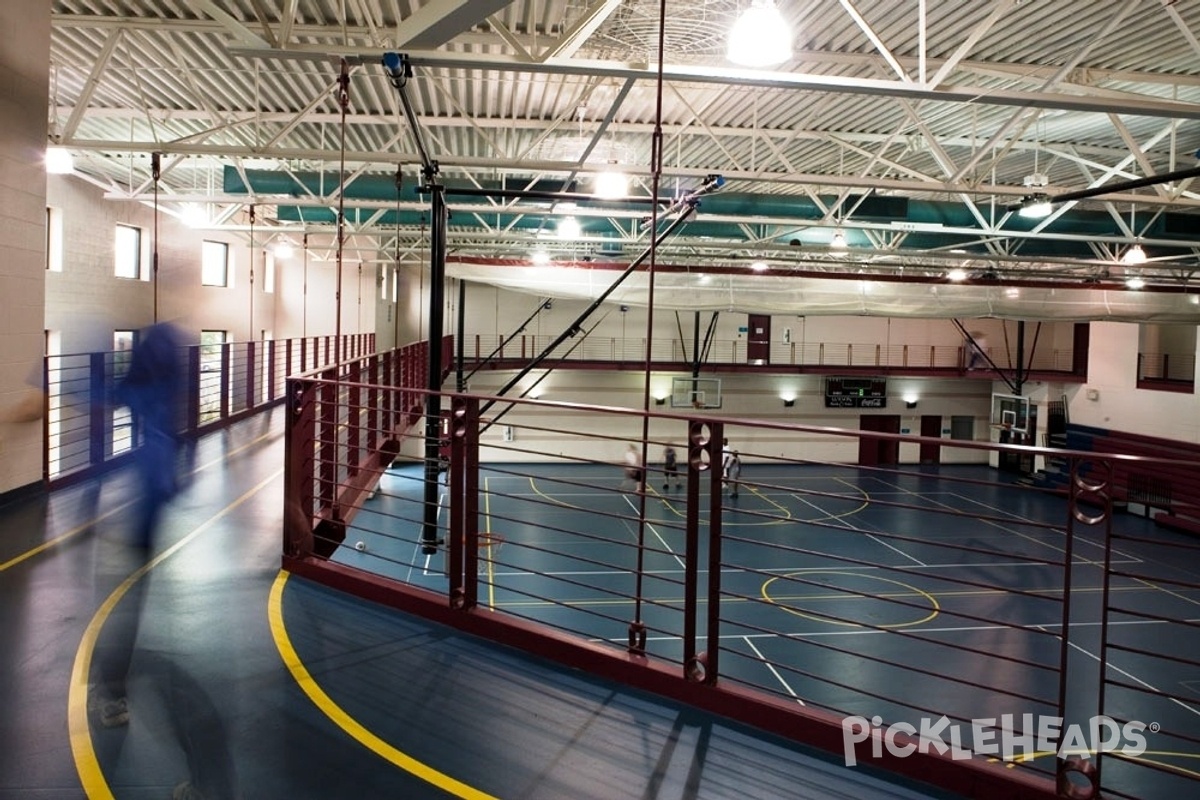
(704, 459)
(354, 413)
(298, 474)
(223, 379)
(251, 374)
(100, 432)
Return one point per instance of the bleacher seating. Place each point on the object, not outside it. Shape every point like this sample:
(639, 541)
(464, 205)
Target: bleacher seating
(1160, 476)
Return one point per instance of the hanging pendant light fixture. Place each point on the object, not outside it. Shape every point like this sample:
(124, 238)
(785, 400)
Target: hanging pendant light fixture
(760, 37)
(1134, 255)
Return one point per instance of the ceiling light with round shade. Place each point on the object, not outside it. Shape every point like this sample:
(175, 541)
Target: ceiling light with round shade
(760, 37)
(284, 249)
(839, 241)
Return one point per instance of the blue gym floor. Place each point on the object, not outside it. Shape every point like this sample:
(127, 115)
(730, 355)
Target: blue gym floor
(256, 686)
(838, 536)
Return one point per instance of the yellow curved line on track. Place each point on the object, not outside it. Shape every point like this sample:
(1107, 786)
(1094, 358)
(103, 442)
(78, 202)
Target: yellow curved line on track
(55, 542)
(78, 529)
(87, 765)
(339, 717)
(818, 618)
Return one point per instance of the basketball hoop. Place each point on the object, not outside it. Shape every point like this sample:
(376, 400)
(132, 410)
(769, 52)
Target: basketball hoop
(489, 549)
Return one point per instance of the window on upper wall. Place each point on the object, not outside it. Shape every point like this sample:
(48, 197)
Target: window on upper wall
(269, 274)
(1166, 357)
(127, 252)
(214, 264)
(54, 239)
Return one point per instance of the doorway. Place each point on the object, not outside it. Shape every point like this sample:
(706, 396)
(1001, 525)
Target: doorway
(758, 339)
(931, 427)
(878, 452)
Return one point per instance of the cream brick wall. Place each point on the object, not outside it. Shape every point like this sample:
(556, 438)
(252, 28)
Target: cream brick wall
(24, 77)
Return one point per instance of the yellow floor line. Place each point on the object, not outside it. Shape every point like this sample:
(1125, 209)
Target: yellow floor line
(343, 720)
(87, 765)
(78, 529)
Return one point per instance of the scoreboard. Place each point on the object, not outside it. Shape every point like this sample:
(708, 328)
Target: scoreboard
(856, 393)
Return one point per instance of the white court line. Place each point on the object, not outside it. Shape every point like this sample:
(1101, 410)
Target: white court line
(992, 523)
(873, 632)
(866, 498)
(657, 535)
(1130, 675)
(1017, 518)
(774, 672)
(1149, 584)
(437, 519)
(797, 570)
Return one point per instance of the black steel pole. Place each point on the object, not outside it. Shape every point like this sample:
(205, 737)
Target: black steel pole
(461, 335)
(1019, 378)
(433, 404)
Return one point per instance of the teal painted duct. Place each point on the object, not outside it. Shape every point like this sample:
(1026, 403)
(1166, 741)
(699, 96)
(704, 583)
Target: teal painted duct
(874, 208)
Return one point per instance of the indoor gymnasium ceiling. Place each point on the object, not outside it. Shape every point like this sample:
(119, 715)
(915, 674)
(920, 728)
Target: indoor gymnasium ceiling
(912, 128)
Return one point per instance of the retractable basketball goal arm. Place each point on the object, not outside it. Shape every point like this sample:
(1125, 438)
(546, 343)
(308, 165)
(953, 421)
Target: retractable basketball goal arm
(684, 207)
(399, 70)
(971, 341)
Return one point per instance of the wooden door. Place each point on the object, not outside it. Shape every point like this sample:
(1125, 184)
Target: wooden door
(931, 426)
(758, 339)
(878, 452)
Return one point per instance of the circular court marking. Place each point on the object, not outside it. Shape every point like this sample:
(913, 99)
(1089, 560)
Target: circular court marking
(906, 590)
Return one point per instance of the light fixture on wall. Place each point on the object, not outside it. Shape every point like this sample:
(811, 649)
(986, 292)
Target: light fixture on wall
(284, 249)
(910, 400)
(789, 400)
(956, 274)
(660, 400)
(1135, 282)
(760, 37)
(539, 258)
(759, 266)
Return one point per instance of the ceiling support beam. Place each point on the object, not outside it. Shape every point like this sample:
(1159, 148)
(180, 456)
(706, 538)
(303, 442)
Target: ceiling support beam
(93, 80)
(727, 76)
(573, 38)
(230, 24)
(437, 22)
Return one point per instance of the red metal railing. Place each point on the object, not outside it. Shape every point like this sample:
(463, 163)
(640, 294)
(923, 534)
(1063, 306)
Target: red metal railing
(805, 594)
(86, 432)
